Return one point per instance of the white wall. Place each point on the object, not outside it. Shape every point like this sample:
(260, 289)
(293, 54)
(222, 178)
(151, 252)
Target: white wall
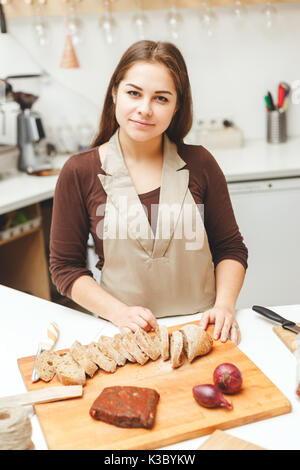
(229, 72)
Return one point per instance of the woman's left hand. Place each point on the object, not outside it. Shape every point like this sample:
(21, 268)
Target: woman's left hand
(225, 324)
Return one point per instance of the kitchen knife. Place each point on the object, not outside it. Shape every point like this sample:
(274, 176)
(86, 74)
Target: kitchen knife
(47, 345)
(287, 324)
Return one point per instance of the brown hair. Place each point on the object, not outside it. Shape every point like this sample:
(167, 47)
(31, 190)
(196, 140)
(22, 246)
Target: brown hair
(149, 51)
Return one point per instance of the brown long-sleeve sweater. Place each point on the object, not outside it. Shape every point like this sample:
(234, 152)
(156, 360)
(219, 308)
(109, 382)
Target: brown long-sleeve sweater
(79, 192)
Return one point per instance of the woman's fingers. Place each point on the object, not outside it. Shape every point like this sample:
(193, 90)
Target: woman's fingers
(204, 320)
(226, 329)
(125, 329)
(218, 326)
(138, 317)
(150, 318)
(141, 322)
(235, 333)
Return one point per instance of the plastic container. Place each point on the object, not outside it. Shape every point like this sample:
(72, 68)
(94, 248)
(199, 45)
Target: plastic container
(20, 228)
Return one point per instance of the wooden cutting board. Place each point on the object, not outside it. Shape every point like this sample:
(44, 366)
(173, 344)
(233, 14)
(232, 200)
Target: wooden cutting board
(286, 336)
(220, 440)
(68, 425)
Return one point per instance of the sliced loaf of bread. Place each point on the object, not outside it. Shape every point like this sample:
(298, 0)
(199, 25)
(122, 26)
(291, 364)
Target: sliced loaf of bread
(162, 336)
(44, 365)
(68, 371)
(147, 344)
(106, 345)
(119, 346)
(131, 345)
(79, 353)
(176, 349)
(103, 361)
(196, 341)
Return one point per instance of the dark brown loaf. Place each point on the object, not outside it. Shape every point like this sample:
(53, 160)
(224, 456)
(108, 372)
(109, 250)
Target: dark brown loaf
(126, 407)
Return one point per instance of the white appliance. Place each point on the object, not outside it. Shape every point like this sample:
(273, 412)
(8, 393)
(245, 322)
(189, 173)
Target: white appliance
(268, 215)
(8, 123)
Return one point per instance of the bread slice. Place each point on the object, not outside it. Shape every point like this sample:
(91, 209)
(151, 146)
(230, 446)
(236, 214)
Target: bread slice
(103, 361)
(133, 348)
(176, 349)
(68, 371)
(79, 353)
(196, 341)
(147, 344)
(106, 345)
(162, 336)
(45, 365)
(119, 346)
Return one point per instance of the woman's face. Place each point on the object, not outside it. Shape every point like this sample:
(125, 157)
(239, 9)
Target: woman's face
(145, 101)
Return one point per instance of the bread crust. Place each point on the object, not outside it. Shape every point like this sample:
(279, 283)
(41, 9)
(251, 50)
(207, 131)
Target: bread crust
(147, 344)
(106, 345)
(196, 341)
(79, 353)
(162, 335)
(119, 346)
(133, 348)
(45, 365)
(68, 371)
(104, 362)
(176, 349)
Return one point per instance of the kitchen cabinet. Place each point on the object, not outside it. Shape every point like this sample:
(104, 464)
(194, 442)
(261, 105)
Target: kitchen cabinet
(268, 215)
(18, 8)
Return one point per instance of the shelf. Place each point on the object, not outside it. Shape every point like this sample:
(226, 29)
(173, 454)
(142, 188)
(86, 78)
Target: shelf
(22, 256)
(18, 8)
(32, 224)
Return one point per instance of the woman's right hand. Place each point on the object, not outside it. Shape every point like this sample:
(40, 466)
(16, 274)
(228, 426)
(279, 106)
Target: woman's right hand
(132, 318)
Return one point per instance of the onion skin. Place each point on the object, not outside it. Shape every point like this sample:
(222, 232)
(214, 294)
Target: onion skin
(209, 396)
(228, 378)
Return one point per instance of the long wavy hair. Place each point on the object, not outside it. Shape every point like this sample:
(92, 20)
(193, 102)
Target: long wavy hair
(149, 51)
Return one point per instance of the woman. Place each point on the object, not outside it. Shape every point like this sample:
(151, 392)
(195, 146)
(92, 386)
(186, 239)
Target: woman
(140, 191)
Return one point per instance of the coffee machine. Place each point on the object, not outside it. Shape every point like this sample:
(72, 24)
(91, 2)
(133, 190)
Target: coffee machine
(30, 130)
(22, 127)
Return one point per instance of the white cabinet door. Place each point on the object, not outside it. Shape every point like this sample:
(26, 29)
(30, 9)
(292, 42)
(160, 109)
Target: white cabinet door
(268, 215)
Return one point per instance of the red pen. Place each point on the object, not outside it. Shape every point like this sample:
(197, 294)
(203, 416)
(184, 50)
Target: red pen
(281, 95)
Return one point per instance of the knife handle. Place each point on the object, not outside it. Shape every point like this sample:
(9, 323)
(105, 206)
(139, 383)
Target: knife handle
(269, 314)
(50, 340)
(52, 333)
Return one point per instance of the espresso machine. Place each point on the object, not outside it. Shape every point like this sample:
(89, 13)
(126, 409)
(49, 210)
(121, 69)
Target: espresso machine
(22, 127)
(30, 130)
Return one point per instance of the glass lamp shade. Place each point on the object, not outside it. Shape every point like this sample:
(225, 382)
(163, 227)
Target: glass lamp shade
(15, 60)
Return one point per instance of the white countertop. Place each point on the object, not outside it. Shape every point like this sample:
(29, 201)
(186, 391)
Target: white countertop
(24, 319)
(260, 160)
(257, 160)
(21, 190)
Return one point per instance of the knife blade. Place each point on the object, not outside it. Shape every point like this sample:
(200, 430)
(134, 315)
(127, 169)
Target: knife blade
(287, 324)
(45, 345)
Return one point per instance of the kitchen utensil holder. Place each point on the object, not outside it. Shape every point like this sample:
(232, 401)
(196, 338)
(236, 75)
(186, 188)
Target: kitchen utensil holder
(276, 127)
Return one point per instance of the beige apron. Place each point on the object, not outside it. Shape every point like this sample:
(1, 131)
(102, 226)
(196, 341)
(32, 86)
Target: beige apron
(170, 273)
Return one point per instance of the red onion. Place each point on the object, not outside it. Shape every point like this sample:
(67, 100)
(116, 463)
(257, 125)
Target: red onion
(210, 396)
(228, 378)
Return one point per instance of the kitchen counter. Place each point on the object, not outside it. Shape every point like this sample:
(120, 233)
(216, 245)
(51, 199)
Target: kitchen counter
(257, 160)
(25, 318)
(21, 190)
